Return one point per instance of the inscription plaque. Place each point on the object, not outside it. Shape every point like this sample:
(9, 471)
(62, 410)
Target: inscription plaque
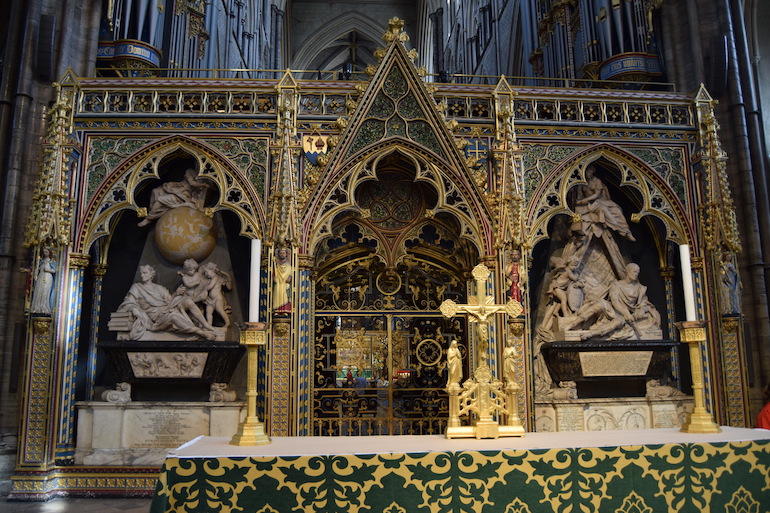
(569, 418)
(664, 415)
(163, 428)
(615, 363)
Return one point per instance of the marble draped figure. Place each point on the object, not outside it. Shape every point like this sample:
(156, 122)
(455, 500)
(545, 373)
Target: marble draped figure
(150, 311)
(189, 192)
(42, 300)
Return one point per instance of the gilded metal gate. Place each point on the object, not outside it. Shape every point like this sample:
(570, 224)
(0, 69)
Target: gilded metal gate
(380, 362)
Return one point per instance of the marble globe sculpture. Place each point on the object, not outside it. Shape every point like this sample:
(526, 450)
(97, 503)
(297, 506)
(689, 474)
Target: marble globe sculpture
(183, 233)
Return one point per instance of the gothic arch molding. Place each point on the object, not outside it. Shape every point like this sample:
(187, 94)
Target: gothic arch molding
(321, 39)
(117, 192)
(657, 197)
(340, 197)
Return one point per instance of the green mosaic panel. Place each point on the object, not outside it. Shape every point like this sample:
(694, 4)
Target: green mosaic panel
(396, 127)
(372, 130)
(421, 133)
(395, 84)
(409, 108)
(105, 155)
(382, 108)
(668, 163)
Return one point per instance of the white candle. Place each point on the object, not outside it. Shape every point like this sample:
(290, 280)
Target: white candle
(256, 254)
(689, 290)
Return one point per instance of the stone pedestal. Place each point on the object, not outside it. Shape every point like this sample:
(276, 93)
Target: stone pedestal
(141, 433)
(603, 368)
(612, 414)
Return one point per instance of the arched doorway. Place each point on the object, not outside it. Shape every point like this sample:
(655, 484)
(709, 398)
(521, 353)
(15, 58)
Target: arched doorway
(380, 340)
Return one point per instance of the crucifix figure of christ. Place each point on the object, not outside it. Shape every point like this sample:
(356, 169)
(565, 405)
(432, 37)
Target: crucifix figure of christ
(481, 394)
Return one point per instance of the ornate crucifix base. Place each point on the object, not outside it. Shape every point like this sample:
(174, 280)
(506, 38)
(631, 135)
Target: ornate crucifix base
(482, 396)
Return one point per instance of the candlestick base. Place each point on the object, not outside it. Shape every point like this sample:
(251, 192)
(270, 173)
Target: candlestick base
(250, 432)
(700, 422)
(693, 333)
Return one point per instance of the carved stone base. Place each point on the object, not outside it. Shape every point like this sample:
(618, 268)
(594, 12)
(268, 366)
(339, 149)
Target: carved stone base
(628, 413)
(121, 394)
(141, 433)
(606, 368)
(199, 361)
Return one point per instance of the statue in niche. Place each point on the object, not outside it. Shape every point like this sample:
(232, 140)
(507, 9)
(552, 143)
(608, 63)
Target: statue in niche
(514, 276)
(454, 364)
(151, 312)
(592, 290)
(42, 294)
(215, 301)
(282, 282)
(189, 192)
(510, 355)
(597, 210)
(626, 313)
(565, 290)
(730, 287)
(598, 217)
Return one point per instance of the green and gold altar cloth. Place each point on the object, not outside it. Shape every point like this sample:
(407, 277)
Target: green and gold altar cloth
(625, 471)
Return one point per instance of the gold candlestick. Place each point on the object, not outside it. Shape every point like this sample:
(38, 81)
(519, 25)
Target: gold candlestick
(252, 431)
(699, 421)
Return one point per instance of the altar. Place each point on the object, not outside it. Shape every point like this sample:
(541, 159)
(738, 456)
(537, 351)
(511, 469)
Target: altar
(645, 470)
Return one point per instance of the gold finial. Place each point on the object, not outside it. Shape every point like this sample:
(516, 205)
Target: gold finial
(395, 31)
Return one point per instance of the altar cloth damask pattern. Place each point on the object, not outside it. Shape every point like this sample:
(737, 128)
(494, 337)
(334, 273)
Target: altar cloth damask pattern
(729, 476)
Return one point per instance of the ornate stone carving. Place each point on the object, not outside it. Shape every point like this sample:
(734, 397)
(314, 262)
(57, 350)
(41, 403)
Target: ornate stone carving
(657, 391)
(597, 210)
(168, 365)
(566, 390)
(150, 312)
(625, 313)
(221, 393)
(593, 291)
(121, 394)
(189, 192)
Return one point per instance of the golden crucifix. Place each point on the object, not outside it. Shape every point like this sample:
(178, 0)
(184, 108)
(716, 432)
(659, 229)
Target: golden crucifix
(480, 307)
(481, 394)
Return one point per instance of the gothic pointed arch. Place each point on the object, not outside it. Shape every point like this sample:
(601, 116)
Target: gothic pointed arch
(445, 199)
(652, 194)
(118, 191)
(397, 113)
(393, 217)
(320, 49)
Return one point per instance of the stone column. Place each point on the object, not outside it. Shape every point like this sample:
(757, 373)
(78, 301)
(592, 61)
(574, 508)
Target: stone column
(279, 382)
(734, 378)
(34, 460)
(66, 361)
(98, 271)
